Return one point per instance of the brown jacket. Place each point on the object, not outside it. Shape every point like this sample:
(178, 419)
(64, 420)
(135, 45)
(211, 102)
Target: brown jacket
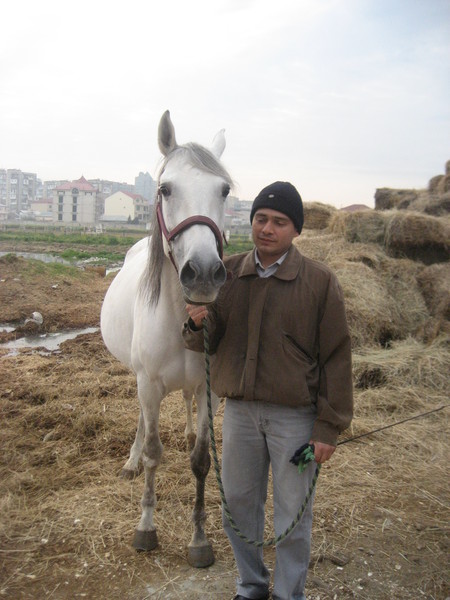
(283, 339)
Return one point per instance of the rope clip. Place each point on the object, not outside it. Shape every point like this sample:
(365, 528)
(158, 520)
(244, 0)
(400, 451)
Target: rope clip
(303, 456)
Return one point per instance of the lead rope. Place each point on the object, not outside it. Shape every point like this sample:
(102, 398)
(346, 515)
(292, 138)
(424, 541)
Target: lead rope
(258, 544)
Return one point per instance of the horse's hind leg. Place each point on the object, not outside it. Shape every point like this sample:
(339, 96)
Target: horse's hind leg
(131, 468)
(145, 537)
(200, 552)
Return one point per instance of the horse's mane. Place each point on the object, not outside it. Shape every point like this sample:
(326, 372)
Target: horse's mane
(200, 158)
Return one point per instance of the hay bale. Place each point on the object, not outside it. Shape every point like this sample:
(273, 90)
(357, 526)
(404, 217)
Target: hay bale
(434, 283)
(444, 184)
(407, 363)
(409, 310)
(366, 226)
(433, 184)
(437, 205)
(383, 302)
(382, 296)
(318, 244)
(368, 305)
(317, 215)
(418, 237)
(388, 198)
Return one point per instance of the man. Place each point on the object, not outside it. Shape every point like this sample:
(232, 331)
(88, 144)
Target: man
(283, 362)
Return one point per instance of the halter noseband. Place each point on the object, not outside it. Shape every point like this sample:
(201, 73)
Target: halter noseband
(185, 224)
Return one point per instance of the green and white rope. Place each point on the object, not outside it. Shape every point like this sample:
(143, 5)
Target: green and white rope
(272, 541)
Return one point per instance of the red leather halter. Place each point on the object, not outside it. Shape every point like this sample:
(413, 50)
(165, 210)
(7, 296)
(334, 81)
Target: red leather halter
(194, 220)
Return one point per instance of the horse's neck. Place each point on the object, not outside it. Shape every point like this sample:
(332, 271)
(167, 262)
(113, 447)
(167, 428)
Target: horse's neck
(171, 297)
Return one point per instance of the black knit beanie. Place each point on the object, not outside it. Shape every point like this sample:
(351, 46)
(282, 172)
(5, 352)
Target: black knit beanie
(283, 197)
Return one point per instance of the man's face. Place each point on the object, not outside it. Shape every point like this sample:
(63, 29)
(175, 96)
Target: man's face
(273, 233)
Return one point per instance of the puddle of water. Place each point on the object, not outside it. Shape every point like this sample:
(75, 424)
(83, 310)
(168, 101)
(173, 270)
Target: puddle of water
(49, 341)
(46, 258)
(6, 328)
(50, 258)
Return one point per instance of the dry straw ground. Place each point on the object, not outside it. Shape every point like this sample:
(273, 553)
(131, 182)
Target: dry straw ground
(68, 419)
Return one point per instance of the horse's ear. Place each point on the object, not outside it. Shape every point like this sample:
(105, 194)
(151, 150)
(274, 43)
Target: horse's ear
(166, 134)
(219, 143)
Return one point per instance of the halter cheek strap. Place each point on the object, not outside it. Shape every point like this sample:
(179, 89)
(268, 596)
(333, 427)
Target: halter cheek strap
(194, 220)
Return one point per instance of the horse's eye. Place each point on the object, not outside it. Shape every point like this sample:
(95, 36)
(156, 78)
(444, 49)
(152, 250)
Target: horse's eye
(164, 190)
(225, 190)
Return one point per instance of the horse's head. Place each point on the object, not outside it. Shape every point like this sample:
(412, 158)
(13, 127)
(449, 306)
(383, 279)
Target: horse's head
(190, 210)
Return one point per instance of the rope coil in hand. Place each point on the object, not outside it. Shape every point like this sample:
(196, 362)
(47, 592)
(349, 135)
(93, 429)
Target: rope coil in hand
(303, 456)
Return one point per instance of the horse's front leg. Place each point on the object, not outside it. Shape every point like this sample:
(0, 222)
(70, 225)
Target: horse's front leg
(145, 537)
(200, 552)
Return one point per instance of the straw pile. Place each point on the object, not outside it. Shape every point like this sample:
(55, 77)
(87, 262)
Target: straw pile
(403, 233)
(384, 301)
(362, 226)
(387, 198)
(437, 205)
(435, 200)
(434, 282)
(418, 236)
(317, 215)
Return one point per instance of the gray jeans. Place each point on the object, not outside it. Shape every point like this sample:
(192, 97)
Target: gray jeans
(256, 435)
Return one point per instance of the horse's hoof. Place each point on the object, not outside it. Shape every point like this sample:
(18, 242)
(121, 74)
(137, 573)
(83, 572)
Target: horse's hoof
(144, 541)
(129, 474)
(200, 556)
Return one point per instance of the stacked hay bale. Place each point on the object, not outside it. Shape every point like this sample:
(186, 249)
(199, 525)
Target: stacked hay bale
(434, 200)
(365, 226)
(418, 236)
(384, 301)
(388, 198)
(317, 215)
(392, 266)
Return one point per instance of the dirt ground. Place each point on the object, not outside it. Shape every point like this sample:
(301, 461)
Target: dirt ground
(66, 519)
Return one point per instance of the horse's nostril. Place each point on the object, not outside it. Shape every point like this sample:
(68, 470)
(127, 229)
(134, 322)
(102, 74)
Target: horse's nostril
(189, 273)
(219, 274)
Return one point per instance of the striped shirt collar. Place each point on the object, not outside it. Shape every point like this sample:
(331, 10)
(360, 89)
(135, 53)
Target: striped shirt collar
(271, 269)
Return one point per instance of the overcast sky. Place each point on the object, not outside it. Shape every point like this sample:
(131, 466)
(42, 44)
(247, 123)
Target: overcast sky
(337, 96)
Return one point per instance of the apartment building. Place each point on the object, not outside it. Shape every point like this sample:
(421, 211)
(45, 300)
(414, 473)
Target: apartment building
(145, 186)
(17, 191)
(123, 207)
(77, 202)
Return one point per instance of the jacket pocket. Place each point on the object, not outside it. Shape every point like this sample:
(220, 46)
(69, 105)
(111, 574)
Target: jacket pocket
(297, 346)
(300, 371)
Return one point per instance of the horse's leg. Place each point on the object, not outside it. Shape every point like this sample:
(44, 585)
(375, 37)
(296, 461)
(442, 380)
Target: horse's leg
(200, 552)
(189, 431)
(131, 468)
(145, 537)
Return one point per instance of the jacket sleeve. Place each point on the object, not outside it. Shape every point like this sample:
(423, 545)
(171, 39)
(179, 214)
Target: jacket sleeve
(194, 339)
(335, 397)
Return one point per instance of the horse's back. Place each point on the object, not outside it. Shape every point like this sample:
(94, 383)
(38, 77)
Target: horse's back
(117, 314)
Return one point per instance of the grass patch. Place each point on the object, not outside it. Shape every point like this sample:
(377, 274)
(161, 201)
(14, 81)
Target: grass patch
(237, 244)
(85, 239)
(31, 267)
(104, 255)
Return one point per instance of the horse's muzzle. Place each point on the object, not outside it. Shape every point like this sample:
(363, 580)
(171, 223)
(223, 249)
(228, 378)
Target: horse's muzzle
(201, 282)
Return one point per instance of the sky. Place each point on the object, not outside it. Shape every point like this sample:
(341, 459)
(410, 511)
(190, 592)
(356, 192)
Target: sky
(339, 97)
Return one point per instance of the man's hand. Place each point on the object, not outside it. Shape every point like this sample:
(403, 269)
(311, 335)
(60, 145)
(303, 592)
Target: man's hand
(197, 314)
(322, 452)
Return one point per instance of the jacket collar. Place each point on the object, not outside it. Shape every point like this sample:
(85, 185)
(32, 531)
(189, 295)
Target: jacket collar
(287, 271)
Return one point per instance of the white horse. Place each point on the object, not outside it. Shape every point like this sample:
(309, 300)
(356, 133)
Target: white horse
(144, 310)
